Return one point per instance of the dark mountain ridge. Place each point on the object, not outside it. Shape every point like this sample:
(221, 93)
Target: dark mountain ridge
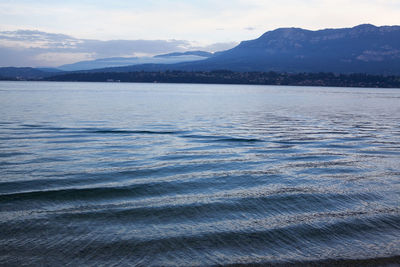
(361, 49)
(26, 73)
(364, 48)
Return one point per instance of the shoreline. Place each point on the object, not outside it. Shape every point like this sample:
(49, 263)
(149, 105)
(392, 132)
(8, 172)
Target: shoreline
(357, 80)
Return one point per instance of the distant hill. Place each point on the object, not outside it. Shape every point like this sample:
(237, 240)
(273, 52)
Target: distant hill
(25, 73)
(192, 53)
(54, 70)
(361, 49)
(127, 61)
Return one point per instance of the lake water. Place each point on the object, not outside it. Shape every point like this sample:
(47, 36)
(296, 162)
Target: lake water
(111, 174)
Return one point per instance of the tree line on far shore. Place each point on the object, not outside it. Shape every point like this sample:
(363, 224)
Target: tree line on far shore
(230, 77)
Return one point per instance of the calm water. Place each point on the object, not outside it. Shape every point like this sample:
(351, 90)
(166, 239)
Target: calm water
(156, 175)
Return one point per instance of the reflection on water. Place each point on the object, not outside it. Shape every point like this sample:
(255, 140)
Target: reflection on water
(153, 174)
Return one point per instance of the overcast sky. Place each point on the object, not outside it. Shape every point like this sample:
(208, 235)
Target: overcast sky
(82, 25)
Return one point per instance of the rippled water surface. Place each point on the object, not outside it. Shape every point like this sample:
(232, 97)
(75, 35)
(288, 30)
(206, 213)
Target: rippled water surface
(106, 174)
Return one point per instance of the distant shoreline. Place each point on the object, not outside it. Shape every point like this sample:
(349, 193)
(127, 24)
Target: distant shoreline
(229, 77)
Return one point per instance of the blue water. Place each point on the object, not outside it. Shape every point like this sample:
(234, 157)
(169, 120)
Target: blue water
(112, 174)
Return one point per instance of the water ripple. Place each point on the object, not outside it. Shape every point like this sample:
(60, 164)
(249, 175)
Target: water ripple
(189, 176)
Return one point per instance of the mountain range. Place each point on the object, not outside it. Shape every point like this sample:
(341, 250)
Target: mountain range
(127, 61)
(361, 49)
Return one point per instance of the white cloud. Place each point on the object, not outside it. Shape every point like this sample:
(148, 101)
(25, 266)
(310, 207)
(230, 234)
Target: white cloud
(190, 20)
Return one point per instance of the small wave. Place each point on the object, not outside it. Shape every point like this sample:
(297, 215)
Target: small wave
(132, 132)
(96, 130)
(33, 125)
(13, 154)
(239, 140)
(223, 139)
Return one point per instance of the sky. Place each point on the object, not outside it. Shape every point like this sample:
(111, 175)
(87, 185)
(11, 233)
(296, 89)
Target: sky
(51, 33)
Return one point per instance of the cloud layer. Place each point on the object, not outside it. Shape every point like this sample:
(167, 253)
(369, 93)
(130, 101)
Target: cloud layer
(37, 48)
(190, 19)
